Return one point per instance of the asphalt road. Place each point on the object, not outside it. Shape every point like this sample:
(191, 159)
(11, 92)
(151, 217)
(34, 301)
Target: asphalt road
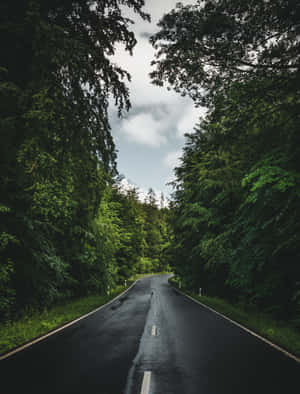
(187, 349)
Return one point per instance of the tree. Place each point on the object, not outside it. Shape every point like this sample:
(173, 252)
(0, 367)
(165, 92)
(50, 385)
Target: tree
(236, 190)
(236, 203)
(56, 150)
(203, 48)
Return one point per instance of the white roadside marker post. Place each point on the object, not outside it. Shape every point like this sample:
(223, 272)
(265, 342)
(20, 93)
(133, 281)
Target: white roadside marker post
(153, 332)
(146, 382)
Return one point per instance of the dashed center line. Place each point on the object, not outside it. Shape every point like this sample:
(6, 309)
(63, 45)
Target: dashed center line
(153, 331)
(146, 382)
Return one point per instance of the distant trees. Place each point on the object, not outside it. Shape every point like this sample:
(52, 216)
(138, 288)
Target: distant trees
(236, 199)
(145, 233)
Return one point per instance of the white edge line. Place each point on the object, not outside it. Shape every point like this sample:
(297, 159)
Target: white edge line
(146, 382)
(243, 327)
(19, 349)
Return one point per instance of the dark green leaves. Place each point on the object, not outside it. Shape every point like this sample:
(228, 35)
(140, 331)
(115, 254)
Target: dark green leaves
(57, 155)
(213, 43)
(236, 199)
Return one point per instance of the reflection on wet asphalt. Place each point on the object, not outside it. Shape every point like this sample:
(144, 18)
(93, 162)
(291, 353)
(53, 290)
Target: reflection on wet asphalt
(190, 351)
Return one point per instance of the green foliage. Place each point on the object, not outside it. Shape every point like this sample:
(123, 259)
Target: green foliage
(236, 199)
(66, 230)
(7, 291)
(210, 44)
(143, 235)
(270, 173)
(145, 265)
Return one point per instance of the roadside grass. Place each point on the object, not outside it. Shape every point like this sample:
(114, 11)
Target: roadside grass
(137, 276)
(36, 323)
(278, 332)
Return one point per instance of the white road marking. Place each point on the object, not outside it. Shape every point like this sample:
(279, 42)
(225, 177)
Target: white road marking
(146, 382)
(19, 349)
(242, 327)
(153, 331)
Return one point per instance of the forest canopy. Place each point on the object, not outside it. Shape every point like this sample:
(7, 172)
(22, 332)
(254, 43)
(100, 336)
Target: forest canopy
(211, 44)
(236, 199)
(66, 229)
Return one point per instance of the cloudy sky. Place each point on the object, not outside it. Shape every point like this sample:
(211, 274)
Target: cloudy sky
(149, 138)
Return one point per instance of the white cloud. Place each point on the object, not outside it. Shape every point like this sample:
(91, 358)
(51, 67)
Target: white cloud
(156, 9)
(143, 129)
(142, 91)
(180, 114)
(171, 160)
(126, 185)
(158, 118)
(189, 120)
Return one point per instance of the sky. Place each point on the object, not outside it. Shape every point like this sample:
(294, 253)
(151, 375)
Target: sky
(150, 137)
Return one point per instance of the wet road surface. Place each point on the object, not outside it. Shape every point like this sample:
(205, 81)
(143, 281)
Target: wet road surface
(183, 347)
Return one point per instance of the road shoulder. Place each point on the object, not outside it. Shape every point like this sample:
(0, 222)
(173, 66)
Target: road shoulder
(287, 352)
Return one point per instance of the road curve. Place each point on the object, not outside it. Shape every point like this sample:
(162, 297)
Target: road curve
(154, 340)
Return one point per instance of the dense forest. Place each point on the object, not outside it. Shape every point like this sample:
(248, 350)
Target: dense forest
(236, 201)
(67, 229)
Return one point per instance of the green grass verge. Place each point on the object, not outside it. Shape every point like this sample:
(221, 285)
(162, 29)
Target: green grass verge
(278, 332)
(137, 276)
(36, 323)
